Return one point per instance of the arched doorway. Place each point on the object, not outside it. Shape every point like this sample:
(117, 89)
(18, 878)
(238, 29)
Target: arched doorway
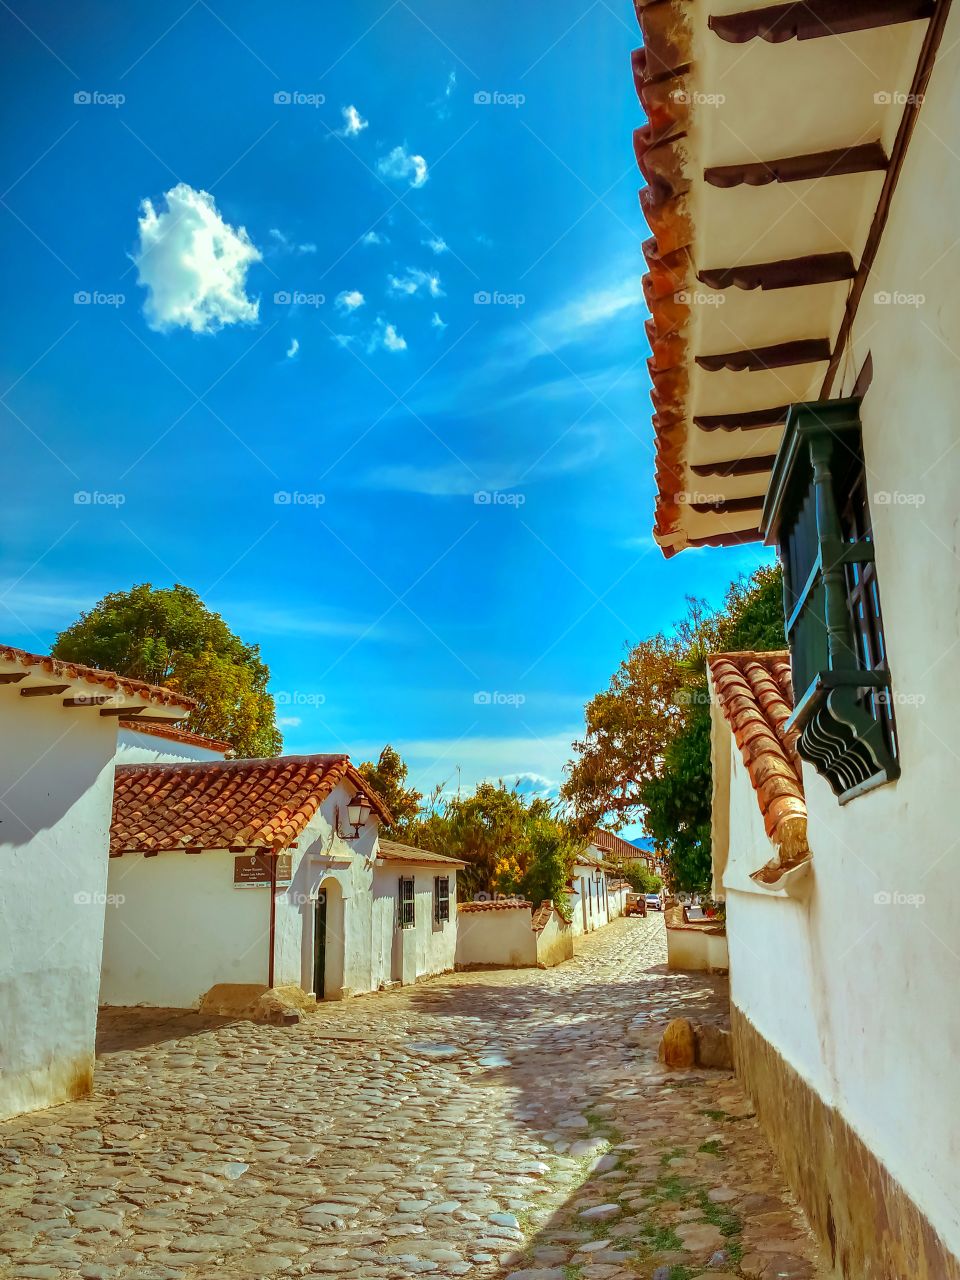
(328, 949)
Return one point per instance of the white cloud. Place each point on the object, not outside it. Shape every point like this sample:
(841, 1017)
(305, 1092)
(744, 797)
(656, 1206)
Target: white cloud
(284, 242)
(288, 722)
(437, 244)
(399, 164)
(436, 322)
(451, 83)
(193, 265)
(414, 281)
(353, 122)
(374, 237)
(293, 348)
(350, 300)
(570, 321)
(385, 335)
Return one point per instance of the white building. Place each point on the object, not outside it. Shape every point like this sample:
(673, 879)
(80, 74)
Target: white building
(804, 199)
(193, 850)
(58, 729)
(589, 900)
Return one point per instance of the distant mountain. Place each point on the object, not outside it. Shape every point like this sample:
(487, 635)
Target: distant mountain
(644, 843)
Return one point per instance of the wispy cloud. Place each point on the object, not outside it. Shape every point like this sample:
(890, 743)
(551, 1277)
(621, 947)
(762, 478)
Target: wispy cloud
(384, 336)
(193, 265)
(414, 281)
(284, 243)
(401, 165)
(374, 237)
(436, 244)
(293, 348)
(436, 322)
(353, 122)
(350, 300)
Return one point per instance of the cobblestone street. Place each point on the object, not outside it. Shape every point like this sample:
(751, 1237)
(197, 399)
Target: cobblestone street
(479, 1124)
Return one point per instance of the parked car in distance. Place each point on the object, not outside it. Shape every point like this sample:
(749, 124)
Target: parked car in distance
(636, 905)
(654, 901)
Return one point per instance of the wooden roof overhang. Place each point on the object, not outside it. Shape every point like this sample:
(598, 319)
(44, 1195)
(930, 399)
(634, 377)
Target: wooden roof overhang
(773, 140)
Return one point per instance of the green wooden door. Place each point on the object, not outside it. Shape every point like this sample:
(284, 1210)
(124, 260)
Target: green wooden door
(319, 943)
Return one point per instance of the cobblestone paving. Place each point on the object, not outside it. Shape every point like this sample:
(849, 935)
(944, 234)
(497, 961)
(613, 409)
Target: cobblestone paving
(482, 1124)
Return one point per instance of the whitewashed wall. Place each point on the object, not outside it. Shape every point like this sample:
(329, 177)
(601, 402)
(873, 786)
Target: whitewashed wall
(858, 990)
(56, 780)
(588, 905)
(432, 947)
(503, 936)
(148, 748)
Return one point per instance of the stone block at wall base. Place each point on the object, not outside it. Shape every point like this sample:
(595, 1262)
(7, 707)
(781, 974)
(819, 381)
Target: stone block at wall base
(66, 1079)
(870, 1227)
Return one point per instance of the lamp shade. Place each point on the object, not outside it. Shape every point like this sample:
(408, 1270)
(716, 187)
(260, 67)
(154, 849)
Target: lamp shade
(358, 810)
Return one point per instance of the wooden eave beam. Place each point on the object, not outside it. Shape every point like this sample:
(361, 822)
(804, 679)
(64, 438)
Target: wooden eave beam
(12, 677)
(814, 18)
(752, 420)
(86, 702)
(736, 466)
(787, 273)
(778, 356)
(728, 506)
(867, 157)
(43, 690)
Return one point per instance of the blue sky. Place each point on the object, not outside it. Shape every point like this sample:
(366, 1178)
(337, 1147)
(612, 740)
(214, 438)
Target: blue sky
(286, 223)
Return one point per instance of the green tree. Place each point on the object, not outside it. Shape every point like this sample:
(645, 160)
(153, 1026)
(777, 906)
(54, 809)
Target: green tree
(646, 753)
(167, 636)
(641, 878)
(388, 778)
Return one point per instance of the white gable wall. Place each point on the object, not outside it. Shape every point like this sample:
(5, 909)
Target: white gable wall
(148, 748)
(56, 780)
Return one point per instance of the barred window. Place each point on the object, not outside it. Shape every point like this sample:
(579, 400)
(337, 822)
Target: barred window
(441, 899)
(407, 915)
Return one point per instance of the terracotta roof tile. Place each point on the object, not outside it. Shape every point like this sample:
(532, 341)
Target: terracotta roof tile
(225, 804)
(610, 843)
(393, 851)
(494, 904)
(172, 734)
(35, 663)
(755, 693)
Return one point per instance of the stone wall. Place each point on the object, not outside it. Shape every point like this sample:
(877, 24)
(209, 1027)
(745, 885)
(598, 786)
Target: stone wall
(870, 1227)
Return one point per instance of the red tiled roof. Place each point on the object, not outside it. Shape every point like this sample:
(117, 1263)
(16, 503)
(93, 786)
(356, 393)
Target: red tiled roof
(755, 693)
(172, 734)
(611, 843)
(35, 663)
(225, 804)
(393, 851)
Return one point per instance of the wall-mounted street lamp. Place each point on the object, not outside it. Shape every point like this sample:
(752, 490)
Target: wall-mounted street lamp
(358, 811)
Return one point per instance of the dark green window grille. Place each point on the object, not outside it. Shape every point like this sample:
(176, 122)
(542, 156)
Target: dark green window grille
(441, 899)
(817, 511)
(407, 912)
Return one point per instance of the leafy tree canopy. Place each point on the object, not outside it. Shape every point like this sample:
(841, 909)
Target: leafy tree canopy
(167, 636)
(646, 752)
(641, 878)
(388, 777)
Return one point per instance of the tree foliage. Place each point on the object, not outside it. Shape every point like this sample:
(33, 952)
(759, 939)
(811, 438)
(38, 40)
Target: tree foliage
(388, 778)
(166, 636)
(646, 752)
(641, 878)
